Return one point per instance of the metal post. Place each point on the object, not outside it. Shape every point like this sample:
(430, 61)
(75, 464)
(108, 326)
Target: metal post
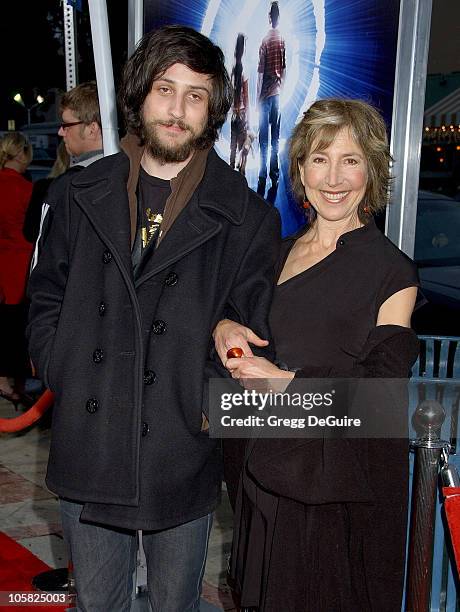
(407, 123)
(104, 74)
(429, 417)
(69, 46)
(135, 23)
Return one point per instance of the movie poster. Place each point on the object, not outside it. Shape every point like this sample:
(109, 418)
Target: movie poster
(343, 48)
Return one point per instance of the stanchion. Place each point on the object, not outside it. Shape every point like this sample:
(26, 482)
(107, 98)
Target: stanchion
(428, 418)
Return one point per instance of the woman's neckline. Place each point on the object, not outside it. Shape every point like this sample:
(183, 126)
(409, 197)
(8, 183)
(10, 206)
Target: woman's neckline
(341, 239)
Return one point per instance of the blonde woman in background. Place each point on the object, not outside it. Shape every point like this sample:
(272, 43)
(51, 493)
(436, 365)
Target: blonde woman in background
(15, 253)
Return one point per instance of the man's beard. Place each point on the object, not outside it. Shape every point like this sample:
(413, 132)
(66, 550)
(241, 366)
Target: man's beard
(172, 153)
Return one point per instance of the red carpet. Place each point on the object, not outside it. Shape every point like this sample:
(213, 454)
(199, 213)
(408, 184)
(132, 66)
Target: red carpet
(17, 568)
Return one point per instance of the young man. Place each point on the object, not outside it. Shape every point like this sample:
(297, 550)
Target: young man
(147, 252)
(271, 73)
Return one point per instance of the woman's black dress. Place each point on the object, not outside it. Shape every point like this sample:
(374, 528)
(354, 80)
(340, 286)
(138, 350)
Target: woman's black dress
(320, 524)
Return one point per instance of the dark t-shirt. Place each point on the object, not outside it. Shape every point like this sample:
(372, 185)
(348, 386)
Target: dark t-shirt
(152, 193)
(323, 316)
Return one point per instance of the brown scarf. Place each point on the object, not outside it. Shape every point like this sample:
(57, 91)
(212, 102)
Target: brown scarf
(182, 186)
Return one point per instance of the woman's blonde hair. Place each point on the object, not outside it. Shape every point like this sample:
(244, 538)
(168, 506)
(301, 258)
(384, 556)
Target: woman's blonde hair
(62, 161)
(319, 127)
(11, 145)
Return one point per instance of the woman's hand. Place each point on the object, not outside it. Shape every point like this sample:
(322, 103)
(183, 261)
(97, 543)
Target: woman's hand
(228, 334)
(260, 374)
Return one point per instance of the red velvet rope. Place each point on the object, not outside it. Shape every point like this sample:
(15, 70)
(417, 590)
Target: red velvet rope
(31, 416)
(452, 508)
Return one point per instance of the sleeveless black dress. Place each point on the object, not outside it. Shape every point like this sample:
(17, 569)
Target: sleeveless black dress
(324, 315)
(337, 547)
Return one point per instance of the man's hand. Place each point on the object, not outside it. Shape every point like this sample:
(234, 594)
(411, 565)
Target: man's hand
(228, 334)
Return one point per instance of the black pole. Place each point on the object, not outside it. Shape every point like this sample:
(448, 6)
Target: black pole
(429, 417)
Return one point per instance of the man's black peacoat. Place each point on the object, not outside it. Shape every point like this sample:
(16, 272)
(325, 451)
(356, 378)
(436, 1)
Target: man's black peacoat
(128, 357)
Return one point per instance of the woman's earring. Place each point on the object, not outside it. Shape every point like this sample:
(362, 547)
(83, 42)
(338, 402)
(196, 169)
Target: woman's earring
(366, 210)
(306, 204)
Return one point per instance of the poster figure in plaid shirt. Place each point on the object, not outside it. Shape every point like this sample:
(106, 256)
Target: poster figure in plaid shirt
(271, 73)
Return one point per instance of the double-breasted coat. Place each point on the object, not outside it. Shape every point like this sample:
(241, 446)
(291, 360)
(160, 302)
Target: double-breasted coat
(128, 357)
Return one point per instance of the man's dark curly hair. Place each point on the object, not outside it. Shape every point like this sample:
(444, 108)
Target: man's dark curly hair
(159, 50)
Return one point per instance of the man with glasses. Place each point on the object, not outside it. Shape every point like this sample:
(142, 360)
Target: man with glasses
(81, 132)
(81, 124)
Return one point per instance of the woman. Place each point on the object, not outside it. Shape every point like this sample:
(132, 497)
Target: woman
(320, 523)
(240, 109)
(15, 253)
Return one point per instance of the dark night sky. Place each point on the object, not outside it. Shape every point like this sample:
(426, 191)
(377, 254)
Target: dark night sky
(444, 54)
(32, 58)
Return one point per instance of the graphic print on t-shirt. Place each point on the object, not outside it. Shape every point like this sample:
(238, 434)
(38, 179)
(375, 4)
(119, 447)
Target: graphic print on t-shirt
(152, 222)
(152, 193)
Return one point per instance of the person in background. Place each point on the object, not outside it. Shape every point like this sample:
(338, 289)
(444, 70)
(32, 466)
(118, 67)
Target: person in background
(240, 106)
(32, 219)
(271, 74)
(81, 128)
(81, 133)
(15, 253)
(314, 515)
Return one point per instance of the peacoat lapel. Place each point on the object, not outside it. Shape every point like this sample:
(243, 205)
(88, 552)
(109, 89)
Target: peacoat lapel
(100, 191)
(190, 230)
(221, 195)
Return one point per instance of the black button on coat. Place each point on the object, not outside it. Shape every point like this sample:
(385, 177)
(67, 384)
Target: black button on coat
(98, 355)
(171, 279)
(92, 405)
(149, 377)
(159, 327)
(216, 260)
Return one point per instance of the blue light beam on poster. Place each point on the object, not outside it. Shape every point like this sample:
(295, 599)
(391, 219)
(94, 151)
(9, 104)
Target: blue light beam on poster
(333, 48)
